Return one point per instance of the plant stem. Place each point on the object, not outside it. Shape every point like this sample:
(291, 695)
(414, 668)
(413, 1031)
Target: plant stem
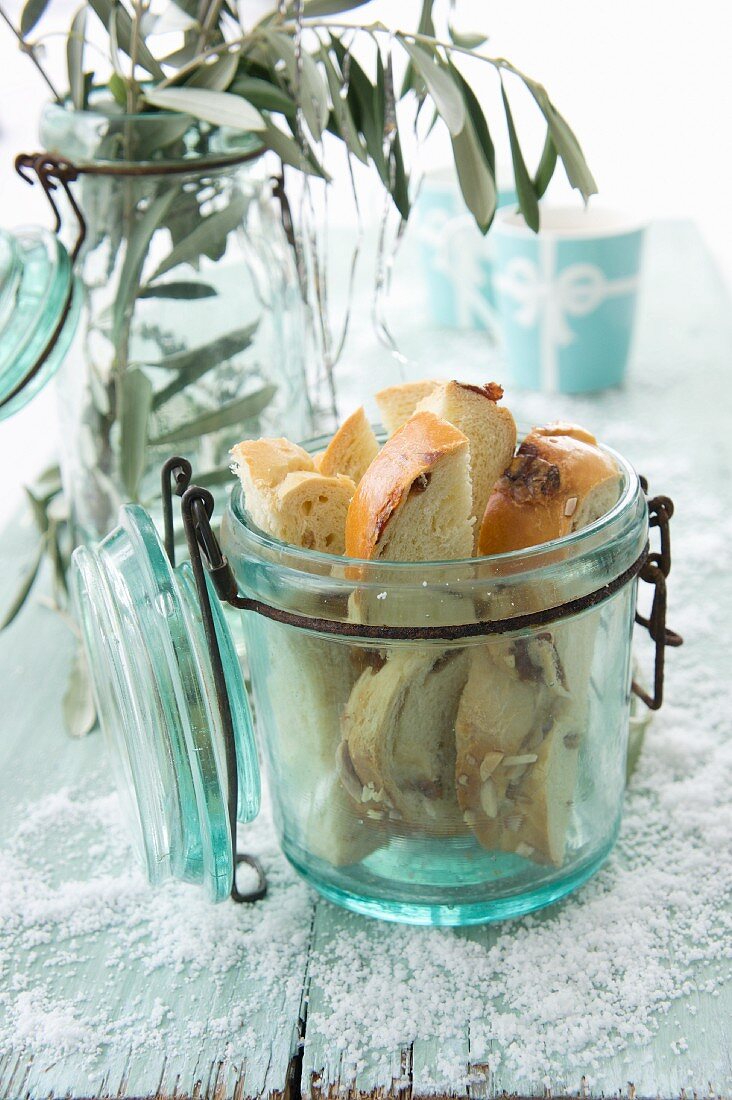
(29, 51)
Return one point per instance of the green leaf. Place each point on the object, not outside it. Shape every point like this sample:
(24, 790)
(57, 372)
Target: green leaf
(105, 9)
(39, 508)
(426, 26)
(366, 108)
(475, 177)
(48, 483)
(77, 707)
(313, 9)
(265, 96)
(208, 238)
(118, 89)
(32, 12)
(341, 109)
(528, 203)
(75, 58)
(568, 148)
(547, 164)
(313, 96)
(440, 85)
(194, 363)
(25, 587)
(218, 108)
(136, 405)
(400, 181)
(475, 113)
(244, 408)
(289, 152)
(136, 250)
(467, 40)
(182, 290)
(216, 75)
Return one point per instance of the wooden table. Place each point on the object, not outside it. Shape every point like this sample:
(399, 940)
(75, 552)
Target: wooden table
(107, 988)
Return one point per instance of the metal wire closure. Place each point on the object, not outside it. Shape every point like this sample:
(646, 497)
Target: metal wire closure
(655, 570)
(197, 508)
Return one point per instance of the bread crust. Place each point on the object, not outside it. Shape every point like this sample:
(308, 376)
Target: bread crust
(398, 403)
(557, 472)
(404, 464)
(351, 450)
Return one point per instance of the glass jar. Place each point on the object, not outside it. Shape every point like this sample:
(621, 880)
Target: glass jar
(445, 741)
(191, 329)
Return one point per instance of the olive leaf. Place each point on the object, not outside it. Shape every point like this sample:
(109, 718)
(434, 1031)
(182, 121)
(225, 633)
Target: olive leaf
(209, 237)
(467, 40)
(179, 289)
(528, 203)
(211, 479)
(546, 167)
(425, 26)
(219, 108)
(436, 75)
(135, 405)
(75, 58)
(235, 412)
(365, 107)
(341, 110)
(26, 584)
(39, 510)
(136, 250)
(216, 75)
(474, 176)
(289, 152)
(568, 148)
(313, 9)
(77, 707)
(194, 363)
(263, 95)
(313, 95)
(475, 113)
(31, 14)
(106, 9)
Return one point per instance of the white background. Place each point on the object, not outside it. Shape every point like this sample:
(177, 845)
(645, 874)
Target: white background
(646, 85)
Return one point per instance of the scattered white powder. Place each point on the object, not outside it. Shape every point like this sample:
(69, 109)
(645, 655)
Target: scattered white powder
(545, 995)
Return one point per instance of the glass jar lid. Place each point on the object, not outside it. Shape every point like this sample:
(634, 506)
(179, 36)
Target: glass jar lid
(156, 699)
(39, 309)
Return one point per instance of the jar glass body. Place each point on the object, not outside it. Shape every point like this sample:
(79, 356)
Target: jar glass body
(190, 334)
(446, 782)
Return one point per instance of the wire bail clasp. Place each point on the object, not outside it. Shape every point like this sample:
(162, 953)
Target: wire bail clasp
(655, 571)
(51, 172)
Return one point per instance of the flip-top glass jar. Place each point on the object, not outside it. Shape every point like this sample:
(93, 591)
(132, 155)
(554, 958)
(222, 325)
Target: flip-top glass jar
(445, 741)
(448, 781)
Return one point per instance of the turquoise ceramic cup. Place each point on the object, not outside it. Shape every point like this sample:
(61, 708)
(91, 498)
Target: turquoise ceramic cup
(566, 297)
(456, 259)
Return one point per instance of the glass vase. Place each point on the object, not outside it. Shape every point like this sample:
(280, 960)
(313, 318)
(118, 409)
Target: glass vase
(191, 334)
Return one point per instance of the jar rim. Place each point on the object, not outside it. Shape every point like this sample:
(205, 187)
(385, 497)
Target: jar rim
(508, 561)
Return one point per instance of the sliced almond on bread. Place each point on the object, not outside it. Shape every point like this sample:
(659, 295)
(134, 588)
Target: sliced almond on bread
(287, 498)
(351, 450)
(489, 428)
(414, 502)
(559, 481)
(399, 725)
(397, 403)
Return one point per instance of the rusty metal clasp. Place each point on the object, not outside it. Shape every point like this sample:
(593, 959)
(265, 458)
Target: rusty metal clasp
(655, 571)
(51, 172)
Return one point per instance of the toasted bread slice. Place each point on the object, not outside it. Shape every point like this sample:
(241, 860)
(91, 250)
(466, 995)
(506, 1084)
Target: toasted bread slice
(397, 403)
(489, 428)
(414, 502)
(351, 450)
(287, 498)
(399, 727)
(559, 482)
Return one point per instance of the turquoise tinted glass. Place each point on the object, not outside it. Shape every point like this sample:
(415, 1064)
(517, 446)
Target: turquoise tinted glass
(39, 307)
(156, 699)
